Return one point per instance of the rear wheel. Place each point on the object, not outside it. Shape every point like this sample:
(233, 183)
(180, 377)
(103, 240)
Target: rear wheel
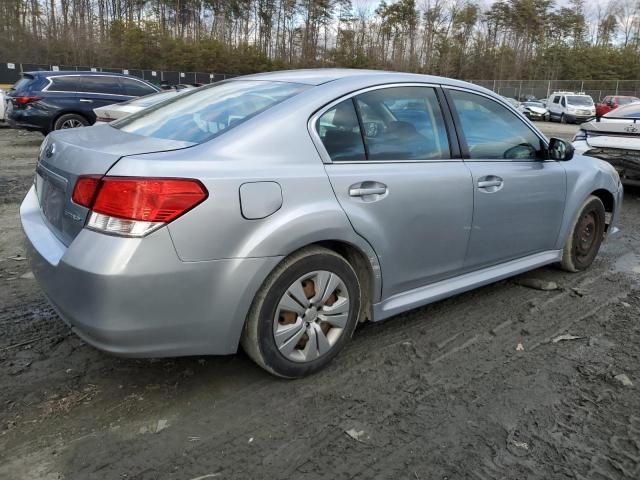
(304, 314)
(70, 120)
(585, 237)
(563, 119)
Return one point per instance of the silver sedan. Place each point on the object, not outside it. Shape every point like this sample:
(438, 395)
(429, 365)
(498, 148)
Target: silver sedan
(279, 210)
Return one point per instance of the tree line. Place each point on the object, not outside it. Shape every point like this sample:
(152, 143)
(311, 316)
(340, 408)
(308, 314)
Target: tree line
(511, 39)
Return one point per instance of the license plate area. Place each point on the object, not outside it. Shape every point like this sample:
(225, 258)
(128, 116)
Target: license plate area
(51, 190)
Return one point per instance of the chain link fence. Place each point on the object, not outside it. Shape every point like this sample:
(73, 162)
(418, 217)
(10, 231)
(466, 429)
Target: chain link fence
(11, 72)
(527, 89)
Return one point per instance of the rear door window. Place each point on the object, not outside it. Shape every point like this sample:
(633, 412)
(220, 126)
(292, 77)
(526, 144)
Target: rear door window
(134, 88)
(339, 131)
(65, 84)
(102, 84)
(204, 113)
(403, 123)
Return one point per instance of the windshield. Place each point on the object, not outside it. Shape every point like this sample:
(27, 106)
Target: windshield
(201, 114)
(580, 100)
(629, 111)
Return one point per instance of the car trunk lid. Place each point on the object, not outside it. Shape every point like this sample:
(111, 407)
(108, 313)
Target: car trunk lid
(66, 155)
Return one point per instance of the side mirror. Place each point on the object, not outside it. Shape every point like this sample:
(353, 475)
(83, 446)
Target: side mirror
(560, 150)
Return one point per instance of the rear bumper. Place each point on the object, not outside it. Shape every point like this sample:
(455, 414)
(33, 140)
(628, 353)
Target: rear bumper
(134, 297)
(25, 120)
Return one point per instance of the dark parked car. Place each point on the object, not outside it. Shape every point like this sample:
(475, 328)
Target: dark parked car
(46, 101)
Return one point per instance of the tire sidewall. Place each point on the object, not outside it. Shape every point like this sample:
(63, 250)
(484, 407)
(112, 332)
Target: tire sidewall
(592, 205)
(271, 356)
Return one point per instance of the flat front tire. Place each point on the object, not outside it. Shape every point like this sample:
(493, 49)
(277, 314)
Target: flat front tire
(304, 313)
(585, 236)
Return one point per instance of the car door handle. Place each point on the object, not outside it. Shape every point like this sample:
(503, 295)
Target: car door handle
(489, 183)
(86, 100)
(362, 191)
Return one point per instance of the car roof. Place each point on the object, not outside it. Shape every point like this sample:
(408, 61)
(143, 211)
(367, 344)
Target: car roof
(318, 76)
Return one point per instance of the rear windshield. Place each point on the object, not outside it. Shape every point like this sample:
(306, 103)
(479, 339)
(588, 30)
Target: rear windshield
(629, 111)
(580, 100)
(627, 100)
(204, 113)
(21, 84)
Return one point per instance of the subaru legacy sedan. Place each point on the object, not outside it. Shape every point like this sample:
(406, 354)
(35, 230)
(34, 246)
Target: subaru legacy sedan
(276, 211)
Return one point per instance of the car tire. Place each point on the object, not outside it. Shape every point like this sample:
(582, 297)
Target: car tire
(585, 236)
(70, 120)
(289, 344)
(563, 119)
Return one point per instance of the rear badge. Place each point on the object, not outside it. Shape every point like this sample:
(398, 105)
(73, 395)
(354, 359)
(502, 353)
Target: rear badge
(631, 129)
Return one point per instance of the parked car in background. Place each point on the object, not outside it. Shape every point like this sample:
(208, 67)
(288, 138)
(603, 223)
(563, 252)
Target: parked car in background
(2, 109)
(614, 138)
(569, 107)
(612, 102)
(515, 103)
(112, 112)
(278, 210)
(46, 101)
(534, 110)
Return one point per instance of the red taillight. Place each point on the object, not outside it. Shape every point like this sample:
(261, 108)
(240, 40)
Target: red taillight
(134, 206)
(85, 190)
(24, 99)
(148, 199)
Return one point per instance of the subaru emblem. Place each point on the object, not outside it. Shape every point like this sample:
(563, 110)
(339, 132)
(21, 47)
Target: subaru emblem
(50, 150)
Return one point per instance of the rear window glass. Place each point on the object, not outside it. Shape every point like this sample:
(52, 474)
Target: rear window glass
(628, 111)
(22, 83)
(102, 84)
(153, 99)
(65, 84)
(204, 113)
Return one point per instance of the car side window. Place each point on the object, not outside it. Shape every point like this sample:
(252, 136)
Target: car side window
(556, 99)
(65, 84)
(135, 88)
(494, 132)
(339, 131)
(403, 123)
(102, 84)
(564, 102)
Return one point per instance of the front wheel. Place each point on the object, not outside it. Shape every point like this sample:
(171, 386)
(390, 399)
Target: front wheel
(304, 314)
(585, 237)
(563, 119)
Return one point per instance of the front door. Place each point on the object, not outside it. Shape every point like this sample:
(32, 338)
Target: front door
(519, 196)
(393, 175)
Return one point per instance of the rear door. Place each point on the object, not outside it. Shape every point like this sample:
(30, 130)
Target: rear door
(136, 88)
(400, 181)
(99, 91)
(519, 196)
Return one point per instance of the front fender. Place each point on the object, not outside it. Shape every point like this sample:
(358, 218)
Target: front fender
(586, 175)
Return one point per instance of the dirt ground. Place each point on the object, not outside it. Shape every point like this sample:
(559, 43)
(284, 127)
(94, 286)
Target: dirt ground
(474, 387)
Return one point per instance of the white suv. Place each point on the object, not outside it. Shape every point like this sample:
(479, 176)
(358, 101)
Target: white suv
(571, 107)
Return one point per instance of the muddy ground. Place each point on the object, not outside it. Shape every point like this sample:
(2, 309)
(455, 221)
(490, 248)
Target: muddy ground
(474, 387)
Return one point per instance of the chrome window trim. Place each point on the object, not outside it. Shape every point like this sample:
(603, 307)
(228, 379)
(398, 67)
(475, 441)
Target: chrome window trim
(50, 82)
(322, 151)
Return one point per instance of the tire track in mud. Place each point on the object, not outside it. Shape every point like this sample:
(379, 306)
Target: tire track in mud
(404, 389)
